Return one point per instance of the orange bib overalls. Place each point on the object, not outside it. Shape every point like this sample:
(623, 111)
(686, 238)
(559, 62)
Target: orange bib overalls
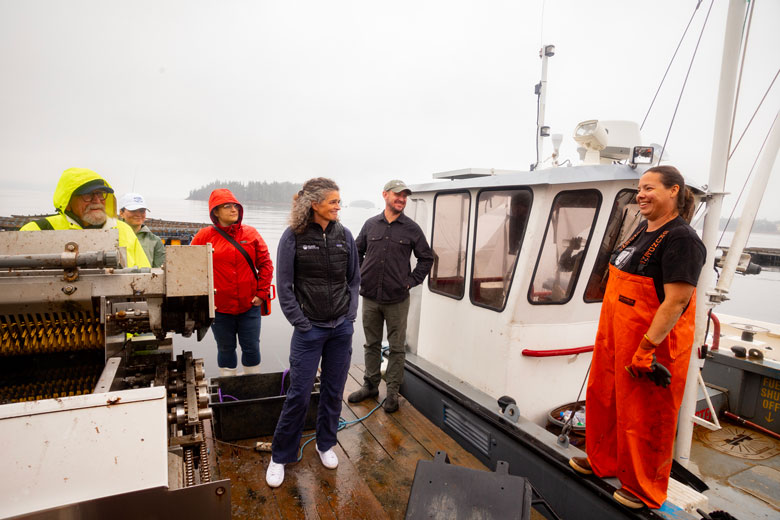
(631, 423)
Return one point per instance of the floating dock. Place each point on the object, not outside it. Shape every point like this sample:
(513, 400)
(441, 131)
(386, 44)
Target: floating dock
(766, 257)
(171, 232)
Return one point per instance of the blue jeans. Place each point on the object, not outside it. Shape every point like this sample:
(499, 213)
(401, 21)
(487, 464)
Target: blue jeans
(247, 327)
(334, 347)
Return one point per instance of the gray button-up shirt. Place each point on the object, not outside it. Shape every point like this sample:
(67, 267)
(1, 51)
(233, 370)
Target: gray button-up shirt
(384, 250)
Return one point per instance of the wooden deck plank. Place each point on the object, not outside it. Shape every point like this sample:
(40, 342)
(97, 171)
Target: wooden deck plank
(377, 460)
(344, 489)
(375, 465)
(300, 495)
(401, 446)
(250, 496)
(309, 489)
(424, 431)
(312, 491)
(431, 436)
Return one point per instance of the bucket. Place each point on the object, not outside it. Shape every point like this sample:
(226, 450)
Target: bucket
(249, 406)
(559, 416)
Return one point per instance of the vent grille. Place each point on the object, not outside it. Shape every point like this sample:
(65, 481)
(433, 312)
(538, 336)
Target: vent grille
(468, 430)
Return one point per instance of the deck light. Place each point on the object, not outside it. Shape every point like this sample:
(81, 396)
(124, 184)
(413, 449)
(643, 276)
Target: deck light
(592, 136)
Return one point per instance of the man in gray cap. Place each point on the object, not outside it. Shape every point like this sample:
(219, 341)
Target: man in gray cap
(133, 211)
(385, 245)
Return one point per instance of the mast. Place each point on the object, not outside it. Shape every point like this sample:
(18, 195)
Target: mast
(706, 297)
(542, 131)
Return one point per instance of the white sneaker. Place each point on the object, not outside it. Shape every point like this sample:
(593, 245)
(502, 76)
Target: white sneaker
(274, 475)
(227, 372)
(328, 458)
(251, 370)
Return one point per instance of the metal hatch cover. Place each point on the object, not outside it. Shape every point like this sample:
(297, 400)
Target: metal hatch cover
(740, 442)
(444, 491)
(762, 482)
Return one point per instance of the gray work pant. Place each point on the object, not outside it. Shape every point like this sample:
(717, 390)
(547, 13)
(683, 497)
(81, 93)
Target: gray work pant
(375, 315)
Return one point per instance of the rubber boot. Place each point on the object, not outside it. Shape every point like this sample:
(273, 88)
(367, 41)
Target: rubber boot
(226, 372)
(251, 370)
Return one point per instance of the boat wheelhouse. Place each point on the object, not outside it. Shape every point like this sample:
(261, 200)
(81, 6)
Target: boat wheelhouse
(502, 332)
(513, 300)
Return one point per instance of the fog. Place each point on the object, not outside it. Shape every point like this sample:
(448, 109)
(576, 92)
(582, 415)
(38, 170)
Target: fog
(162, 97)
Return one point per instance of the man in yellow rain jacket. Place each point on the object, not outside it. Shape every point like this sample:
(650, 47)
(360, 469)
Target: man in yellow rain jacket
(84, 200)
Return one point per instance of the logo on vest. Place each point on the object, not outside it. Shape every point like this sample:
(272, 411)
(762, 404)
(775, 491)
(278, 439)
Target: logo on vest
(626, 300)
(306, 247)
(623, 257)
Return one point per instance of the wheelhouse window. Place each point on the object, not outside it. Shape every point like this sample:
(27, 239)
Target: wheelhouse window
(564, 245)
(623, 219)
(450, 229)
(501, 220)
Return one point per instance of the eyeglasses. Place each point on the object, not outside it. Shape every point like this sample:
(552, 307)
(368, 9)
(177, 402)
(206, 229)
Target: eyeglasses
(229, 205)
(88, 197)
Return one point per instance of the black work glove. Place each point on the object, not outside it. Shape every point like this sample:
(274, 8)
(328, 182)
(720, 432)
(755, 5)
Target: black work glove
(659, 374)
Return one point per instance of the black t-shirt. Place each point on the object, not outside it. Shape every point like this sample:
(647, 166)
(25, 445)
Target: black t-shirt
(678, 256)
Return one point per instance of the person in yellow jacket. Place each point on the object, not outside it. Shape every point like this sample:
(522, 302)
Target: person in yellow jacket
(84, 200)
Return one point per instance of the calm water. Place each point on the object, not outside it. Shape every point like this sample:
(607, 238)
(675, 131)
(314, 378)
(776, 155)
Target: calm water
(751, 296)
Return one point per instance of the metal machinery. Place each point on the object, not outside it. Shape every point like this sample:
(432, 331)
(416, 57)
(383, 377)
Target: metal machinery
(96, 417)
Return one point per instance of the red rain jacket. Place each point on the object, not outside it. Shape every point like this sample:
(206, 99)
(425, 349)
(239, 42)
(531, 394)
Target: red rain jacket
(233, 279)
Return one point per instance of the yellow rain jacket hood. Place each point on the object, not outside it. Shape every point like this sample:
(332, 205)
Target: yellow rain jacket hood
(70, 181)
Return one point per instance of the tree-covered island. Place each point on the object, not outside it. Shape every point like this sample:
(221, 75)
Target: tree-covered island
(259, 192)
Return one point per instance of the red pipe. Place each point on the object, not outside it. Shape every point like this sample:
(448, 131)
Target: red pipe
(715, 331)
(581, 350)
(557, 352)
(745, 422)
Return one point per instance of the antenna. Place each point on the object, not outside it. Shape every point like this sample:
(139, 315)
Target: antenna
(546, 52)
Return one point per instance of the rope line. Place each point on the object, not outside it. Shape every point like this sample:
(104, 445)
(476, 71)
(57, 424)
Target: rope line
(567, 426)
(687, 74)
(343, 423)
(754, 113)
(744, 185)
(746, 23)
(670, 64)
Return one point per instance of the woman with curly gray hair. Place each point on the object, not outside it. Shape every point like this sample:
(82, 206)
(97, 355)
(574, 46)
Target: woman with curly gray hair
(317, 279)
(314, 191)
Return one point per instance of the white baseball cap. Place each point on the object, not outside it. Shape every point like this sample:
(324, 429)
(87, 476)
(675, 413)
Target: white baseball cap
(132, 201)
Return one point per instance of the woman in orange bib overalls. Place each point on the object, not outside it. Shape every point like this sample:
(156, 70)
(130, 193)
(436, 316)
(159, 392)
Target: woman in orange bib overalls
(643, 345)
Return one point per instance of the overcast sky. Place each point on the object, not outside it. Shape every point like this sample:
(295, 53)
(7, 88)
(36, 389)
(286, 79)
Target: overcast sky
(164, 96)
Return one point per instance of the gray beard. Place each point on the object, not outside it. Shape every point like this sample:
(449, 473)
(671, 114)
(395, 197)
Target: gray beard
(94, 218)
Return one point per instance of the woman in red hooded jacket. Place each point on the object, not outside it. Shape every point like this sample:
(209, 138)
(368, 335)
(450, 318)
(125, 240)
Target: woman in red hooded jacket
(239, 292)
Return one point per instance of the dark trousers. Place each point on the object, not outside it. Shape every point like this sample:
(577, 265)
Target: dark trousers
(334, 347)
(375, 315)
(247, 327)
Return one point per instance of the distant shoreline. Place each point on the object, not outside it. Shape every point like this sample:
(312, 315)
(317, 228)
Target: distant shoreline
(245, 202)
